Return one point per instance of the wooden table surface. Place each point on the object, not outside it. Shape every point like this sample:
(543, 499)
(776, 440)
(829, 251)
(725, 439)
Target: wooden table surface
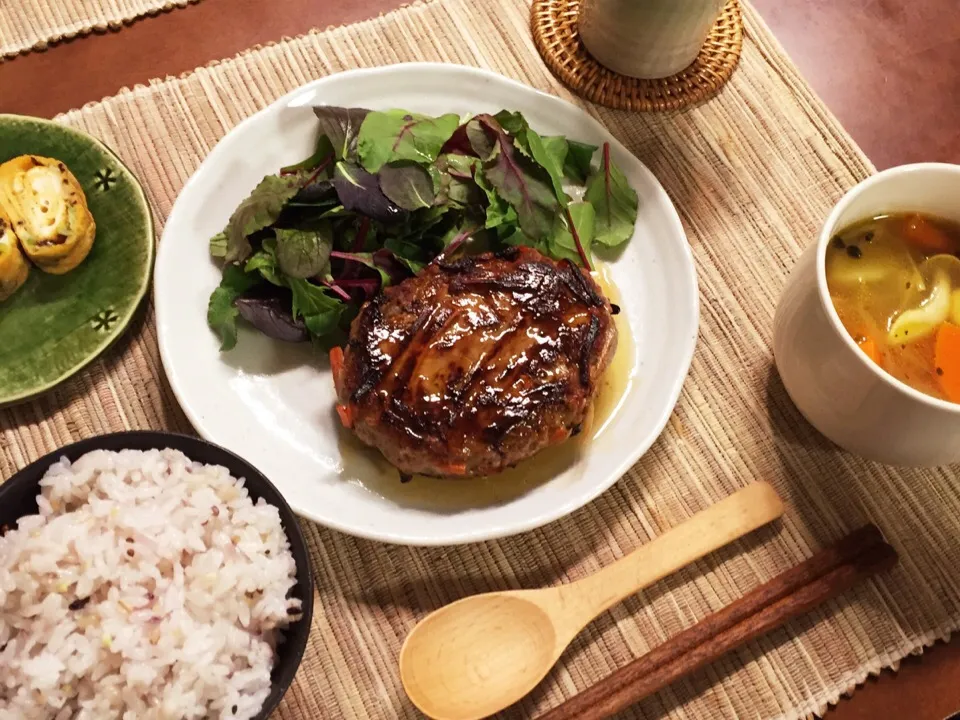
(888, 69)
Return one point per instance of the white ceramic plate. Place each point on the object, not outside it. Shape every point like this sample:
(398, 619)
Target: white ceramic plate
(273, 403)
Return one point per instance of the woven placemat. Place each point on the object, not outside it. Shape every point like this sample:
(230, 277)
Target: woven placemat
(753, 173)
(34, 24)
(557, 37)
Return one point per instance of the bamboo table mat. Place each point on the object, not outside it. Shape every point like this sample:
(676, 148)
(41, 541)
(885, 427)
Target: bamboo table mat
(34, 24)
(753, 173)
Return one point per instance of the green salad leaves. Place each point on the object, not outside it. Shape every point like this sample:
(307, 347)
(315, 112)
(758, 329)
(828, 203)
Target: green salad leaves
(385, 193)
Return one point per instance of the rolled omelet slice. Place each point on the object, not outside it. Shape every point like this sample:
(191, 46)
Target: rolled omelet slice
(14, 267)
(48, 210)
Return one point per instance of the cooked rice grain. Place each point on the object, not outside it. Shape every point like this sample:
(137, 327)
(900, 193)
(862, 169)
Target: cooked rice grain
(148, 587)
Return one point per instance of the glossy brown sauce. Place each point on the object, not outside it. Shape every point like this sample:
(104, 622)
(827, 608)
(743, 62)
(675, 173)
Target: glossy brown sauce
(366, 467)
(459, 372)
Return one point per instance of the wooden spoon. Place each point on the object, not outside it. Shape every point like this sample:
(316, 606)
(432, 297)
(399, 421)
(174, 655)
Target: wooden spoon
(476, 656)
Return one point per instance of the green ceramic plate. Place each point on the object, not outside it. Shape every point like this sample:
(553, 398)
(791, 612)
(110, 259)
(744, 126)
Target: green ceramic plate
(56, 324)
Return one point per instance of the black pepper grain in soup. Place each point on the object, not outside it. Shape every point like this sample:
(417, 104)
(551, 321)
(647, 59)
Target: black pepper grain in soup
(855, 252)
(838, 242)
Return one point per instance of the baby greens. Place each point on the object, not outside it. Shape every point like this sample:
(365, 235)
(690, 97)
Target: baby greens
(385, 193)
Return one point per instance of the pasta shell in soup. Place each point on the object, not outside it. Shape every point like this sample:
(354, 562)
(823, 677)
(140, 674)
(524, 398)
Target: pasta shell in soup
(919, 322)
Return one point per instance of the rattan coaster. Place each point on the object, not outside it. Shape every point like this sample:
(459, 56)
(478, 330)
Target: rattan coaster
(554, 25)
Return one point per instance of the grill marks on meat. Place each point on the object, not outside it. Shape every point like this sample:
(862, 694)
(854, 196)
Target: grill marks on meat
(476, 363)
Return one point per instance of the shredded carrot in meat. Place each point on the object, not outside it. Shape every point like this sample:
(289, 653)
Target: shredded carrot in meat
(346, 416)
(336, 367)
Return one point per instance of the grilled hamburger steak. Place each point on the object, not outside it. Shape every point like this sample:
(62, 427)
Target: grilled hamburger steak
(475, 364)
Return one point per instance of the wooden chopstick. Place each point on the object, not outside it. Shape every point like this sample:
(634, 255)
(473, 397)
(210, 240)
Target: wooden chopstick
(824, 576)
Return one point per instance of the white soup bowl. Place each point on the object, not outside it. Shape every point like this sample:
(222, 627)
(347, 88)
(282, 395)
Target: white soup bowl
(843, 394)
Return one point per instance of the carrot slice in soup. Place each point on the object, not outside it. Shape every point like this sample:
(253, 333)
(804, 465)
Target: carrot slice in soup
(926, 236)
(870, 349)
(947, 359)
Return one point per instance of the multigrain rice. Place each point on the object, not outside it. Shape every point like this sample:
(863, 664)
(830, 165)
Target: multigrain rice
(148, 586)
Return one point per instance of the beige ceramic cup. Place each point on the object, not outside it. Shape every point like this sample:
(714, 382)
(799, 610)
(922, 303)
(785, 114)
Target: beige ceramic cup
(838, 389)
(647, 38)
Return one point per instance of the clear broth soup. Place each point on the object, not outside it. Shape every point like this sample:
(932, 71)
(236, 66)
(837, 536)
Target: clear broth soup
(895, 283)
